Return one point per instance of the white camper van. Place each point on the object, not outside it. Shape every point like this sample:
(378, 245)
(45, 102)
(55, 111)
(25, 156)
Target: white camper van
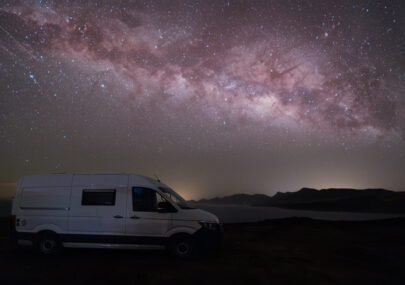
(108, 210)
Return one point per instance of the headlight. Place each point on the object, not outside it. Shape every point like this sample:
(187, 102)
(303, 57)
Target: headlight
(209, 225)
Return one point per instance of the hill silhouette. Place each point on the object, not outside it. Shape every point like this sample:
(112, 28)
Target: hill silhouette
(333, 199)
(238, 199)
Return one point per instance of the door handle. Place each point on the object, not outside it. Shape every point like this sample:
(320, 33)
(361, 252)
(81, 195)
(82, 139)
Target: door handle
(134, 217)
(118, 217)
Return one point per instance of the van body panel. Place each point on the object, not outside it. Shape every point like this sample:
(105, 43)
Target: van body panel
(147, 223)
(58, 226)
(182, 228)
(35, 224)
(113, 245)
(48, 180)
(100, 180)
(48, 198)
(98, 219)
(42, 203)
(195, 215)
(141, 181)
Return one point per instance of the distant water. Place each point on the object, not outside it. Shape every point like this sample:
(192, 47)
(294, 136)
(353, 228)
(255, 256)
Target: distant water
(242, 214)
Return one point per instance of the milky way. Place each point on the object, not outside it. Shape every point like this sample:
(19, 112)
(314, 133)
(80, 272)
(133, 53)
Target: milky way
(188, 83)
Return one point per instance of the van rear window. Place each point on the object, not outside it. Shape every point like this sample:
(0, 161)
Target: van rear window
(98, 197)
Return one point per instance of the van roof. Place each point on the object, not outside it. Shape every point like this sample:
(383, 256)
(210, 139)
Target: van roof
(85, 173)
(89, 173)
(66, 179)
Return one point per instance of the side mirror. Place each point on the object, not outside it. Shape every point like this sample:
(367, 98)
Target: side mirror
(165, 207)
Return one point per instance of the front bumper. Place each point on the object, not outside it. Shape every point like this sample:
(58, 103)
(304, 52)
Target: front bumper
(210, 239)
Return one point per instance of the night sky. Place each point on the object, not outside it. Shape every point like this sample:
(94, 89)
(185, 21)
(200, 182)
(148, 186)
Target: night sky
(214, 97)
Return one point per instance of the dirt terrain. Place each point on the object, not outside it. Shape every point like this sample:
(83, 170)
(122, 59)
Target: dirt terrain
(286, 251)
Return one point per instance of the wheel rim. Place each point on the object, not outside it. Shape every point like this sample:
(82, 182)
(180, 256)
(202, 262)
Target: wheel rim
(48, 245)
(182, 248)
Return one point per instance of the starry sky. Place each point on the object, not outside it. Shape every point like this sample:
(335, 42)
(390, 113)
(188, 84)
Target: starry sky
(214, 97)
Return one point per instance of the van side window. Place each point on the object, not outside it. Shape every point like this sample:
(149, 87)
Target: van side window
(98, 197)
(145, 200)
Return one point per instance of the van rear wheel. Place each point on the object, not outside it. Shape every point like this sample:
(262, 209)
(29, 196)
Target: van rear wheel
(182, 247)
(48, 243)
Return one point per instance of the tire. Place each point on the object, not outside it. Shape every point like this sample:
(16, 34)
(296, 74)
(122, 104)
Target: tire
(48, 243)
(182, 247)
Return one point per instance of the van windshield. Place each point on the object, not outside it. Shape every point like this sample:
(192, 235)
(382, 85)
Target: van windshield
(175, 198)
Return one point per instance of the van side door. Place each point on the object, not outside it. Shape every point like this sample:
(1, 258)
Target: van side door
(143, 217)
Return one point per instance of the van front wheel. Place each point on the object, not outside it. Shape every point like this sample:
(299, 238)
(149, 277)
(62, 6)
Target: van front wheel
(182, 246)
(48, 243)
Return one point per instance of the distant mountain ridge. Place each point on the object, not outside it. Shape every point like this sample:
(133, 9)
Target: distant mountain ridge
(238, 199)
(332, 199)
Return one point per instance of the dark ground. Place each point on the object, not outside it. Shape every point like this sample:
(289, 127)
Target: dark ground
(287, 251)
